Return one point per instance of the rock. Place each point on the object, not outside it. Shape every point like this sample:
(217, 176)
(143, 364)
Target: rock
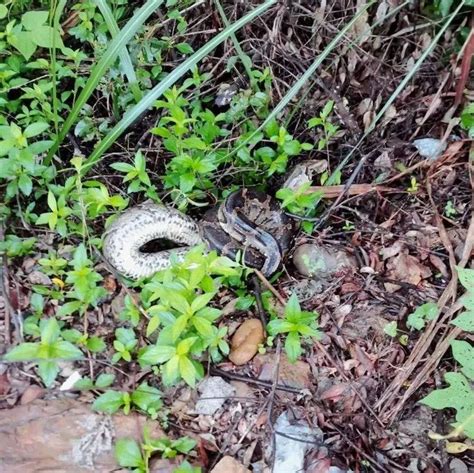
(315, 261)
(303, 173)
(430, 148)
(230, 465)
(64, 435)
(214, 392)
(37, 277)
(245, 341)
(290, 454)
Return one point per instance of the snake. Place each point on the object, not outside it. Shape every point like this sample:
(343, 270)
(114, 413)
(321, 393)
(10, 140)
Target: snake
(248, 222)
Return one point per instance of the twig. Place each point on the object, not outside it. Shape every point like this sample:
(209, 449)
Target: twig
(247, 379)
(268, 285)
(258, 299)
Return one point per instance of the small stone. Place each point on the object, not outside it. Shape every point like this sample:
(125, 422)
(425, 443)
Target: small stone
(214, 392)
(430, 148)
(37, 277)
(245, 341)
(290, 454)
(229, 465)
(313, 260)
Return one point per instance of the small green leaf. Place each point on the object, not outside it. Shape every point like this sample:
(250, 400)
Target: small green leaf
(425, 312)
(463, 353)
(50, 332)
(391, 329)
(66, 351)
(104, 380)
(109, 402)
(128, 454)
(293, 346)
(48, 370)
(153, 355)
(465, 321)
(187, 370)
(23, 352)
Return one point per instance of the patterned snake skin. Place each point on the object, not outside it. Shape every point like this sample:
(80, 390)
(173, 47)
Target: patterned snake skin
(248, 221)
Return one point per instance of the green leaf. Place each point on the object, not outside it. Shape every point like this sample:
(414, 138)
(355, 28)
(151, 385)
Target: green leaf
(146, 397)
(292, 308)
(153, 355)
(201, 301)
(33, 19)
(104, 380)
(178, 302)
(465, 321)
(466, 277)
(391, 329)
(25, 184)
(425, 312)
(293, 346)
(184, 48)
(23, 352)
(109, 402)
(459, 396)
(23, 43)
(3, 11)
(48, 370)
(279, 326)
(187, 370)
(96, 344)
(66, 350)
(35, 129)
(50, 332)
(463, 353)
(128, 454)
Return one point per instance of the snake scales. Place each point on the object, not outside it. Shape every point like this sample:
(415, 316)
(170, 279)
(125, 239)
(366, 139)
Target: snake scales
(247, 220)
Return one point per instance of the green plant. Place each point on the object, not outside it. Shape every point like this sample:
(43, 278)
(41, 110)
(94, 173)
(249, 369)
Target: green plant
(467, 119)
(130, 454)
(423, 314)
(125, 341)
(323, 124)
(183, 293)
(145, 398)
(297, 324)
(460, 393)
(47, 352)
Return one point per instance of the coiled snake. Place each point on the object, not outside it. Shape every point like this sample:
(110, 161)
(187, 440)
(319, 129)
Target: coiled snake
(248, 220)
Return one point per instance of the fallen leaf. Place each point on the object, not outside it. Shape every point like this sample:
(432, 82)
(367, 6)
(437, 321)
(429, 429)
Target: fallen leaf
(296, 375)
(31, 393)
(229, 465)
(245, 341)
(405, 268)
(4, 384)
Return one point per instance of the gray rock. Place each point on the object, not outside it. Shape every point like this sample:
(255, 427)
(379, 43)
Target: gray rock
(315, 261)
(214, 392)
(290, 454)
(430, 148)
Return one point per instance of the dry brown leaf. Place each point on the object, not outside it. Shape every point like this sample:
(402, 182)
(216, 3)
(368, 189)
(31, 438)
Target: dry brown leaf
(296, 375)
(229, 465)
(31, 393)
(405, 268)
(245, 341)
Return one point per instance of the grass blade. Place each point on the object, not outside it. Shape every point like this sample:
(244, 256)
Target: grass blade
(301, 81)
(149, 99)
(116, 45)
(125, 60)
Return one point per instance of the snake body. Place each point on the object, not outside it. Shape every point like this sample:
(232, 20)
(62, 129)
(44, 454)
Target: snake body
(248, 221)
(137, 226)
